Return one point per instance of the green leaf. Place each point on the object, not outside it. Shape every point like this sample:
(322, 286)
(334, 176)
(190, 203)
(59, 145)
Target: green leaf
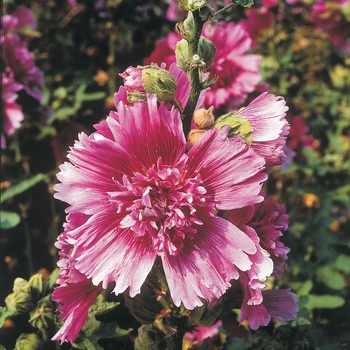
(9, 219)
(342, 263)
(95, 330)
(23, 186)
(330, 277)
(4, 315)
(324, 302)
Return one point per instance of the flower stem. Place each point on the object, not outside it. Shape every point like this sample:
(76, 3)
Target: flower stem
(196, 84)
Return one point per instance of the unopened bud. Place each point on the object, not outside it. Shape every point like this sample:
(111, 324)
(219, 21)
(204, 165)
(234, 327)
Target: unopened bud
(42, 317)
(193, 136)
(18, 303)
(239, 126)
(29, 341)
(204, 118)
(207, 51)
(22, 285)
(39, 285)
(181, 53)
(160, 82)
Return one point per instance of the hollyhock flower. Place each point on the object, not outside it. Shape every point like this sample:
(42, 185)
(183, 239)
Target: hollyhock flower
(328, 16)
(11, 110)
(279, 303)
(19, 21)
(258, 20)
(269, 127)
(17, 57)
(268, 219)
(142, 197)
(237, 71)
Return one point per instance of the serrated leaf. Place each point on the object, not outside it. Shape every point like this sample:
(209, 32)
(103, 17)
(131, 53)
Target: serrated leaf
(324, 302)
(330, 277)
(23, 186)
(9, 219)
(4, 315)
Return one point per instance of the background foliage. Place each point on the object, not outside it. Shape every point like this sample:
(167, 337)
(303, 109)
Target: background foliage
(80, 49)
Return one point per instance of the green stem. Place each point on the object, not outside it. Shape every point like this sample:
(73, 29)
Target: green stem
(224, 9)
(196, 84)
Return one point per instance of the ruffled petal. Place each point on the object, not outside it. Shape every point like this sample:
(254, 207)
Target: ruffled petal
(227, 166)
(205, 266)
(76, 299)
(106, 253)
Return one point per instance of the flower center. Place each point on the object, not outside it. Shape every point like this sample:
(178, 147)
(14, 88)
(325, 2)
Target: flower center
(162, 204)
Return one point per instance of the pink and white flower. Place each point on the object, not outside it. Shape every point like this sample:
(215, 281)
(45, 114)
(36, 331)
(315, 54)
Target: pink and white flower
(266, 114)
(267, 221)
(142, 196)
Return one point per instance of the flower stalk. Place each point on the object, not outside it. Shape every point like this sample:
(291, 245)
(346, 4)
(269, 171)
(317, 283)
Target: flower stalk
(196, 84)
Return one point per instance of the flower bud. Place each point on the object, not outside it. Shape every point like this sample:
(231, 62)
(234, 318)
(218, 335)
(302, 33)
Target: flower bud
(42, 317)
(239, 126)
(160, 82)
(22, 285)
(18, 303)
(204, 118)
(181, 54)
(193, 136)
(29, 341)
(39, 285)
(207, 51)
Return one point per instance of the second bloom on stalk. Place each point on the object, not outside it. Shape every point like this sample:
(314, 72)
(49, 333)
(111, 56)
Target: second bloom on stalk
(136, 195)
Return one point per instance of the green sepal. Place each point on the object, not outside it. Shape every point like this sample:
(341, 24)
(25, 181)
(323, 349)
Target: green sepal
(239, 126)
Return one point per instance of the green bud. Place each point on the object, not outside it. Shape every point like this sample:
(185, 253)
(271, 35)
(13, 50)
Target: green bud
(22, 285)
(207, 51)
(160, 82)
(206, 13)
(187, 28)
(191, 5)
(29, 341)
(239, 126)
(204, 58)
(39, 285)
(18, 303)
(181, 54)
(42, 317)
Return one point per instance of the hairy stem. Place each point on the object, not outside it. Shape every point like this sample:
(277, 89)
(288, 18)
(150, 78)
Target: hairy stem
(196, 84)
